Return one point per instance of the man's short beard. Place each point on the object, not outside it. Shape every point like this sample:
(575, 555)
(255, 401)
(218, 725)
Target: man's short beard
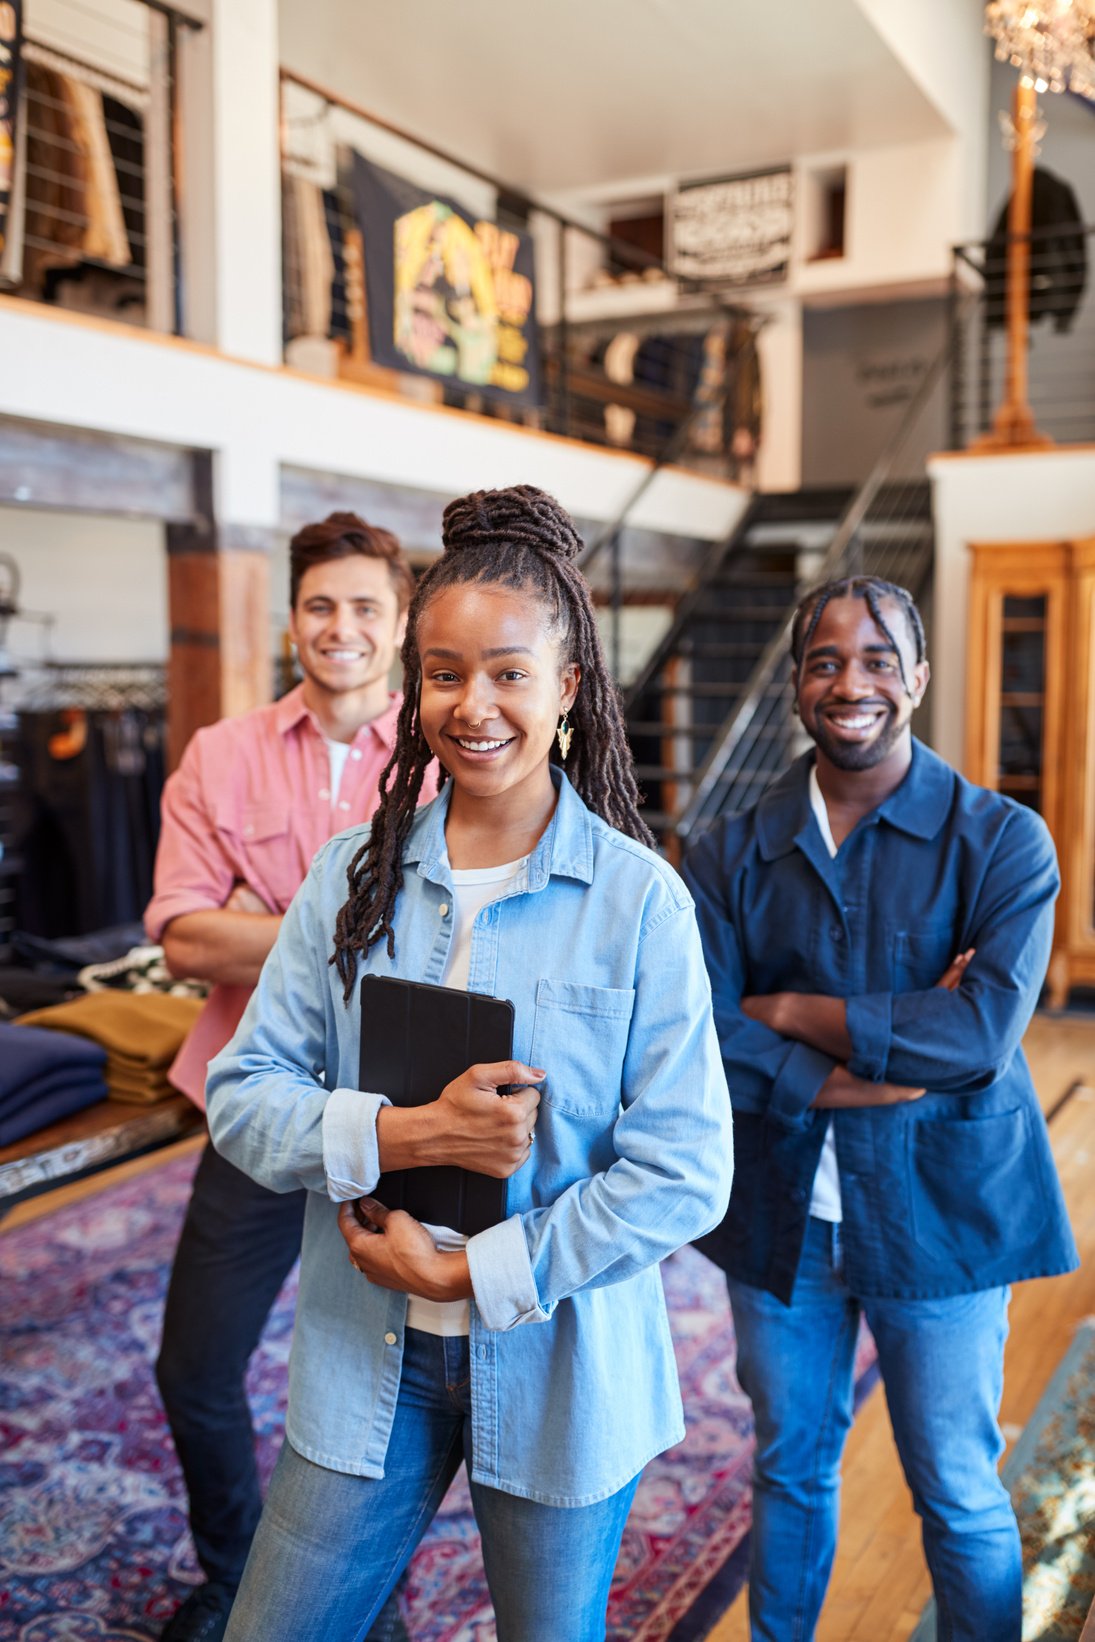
(858, 755)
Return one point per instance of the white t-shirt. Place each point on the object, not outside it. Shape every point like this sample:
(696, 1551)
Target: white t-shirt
(825, 1201)
(337, 754)
(473, 889)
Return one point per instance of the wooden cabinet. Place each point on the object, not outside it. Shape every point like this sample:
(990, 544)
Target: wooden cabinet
(1030, 715)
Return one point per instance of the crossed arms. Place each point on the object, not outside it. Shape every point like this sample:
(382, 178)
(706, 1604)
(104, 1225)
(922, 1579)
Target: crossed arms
(789, 1053)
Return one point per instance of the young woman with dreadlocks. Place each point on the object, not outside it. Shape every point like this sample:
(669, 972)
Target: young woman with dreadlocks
(538, 1351)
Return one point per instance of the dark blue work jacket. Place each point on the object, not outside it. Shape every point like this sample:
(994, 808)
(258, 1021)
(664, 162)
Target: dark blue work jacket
(956, 1191)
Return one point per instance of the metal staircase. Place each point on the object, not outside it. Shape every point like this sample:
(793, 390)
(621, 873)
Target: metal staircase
(709, 716)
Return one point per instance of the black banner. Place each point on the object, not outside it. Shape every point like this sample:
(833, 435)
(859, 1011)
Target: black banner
(11, 65)
(449, 296)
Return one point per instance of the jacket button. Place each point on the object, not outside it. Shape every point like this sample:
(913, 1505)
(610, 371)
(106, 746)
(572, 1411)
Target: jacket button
(836, 932)
(389, 1339)
(797, 1194)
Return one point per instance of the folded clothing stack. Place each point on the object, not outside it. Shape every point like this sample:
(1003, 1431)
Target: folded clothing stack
(140, 1032)
(45, 1077)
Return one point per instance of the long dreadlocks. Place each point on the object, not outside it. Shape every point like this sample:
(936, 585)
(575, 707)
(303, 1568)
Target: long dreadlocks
(519, 538)
(873, 590)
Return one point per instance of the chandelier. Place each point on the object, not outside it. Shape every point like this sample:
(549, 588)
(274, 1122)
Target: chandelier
(1052, 42)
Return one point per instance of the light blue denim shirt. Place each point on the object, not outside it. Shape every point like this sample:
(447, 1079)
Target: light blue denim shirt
(598, 949)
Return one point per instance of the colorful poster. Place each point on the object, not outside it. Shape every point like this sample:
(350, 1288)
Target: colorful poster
(449, 296)
(736, 229)
(11, 41)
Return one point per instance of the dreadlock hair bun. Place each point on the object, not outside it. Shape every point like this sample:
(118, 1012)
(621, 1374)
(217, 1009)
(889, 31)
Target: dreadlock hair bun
(523, 515)
(521, 539)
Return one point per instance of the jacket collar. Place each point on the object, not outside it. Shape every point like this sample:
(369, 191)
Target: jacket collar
(564, 851)
(290, 710)
(919, 806)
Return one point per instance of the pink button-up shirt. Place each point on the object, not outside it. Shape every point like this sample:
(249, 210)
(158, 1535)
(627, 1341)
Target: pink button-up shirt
(251, 803)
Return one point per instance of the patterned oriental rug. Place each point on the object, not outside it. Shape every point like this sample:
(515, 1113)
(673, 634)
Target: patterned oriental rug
(1051, 1476)
(94, 1545)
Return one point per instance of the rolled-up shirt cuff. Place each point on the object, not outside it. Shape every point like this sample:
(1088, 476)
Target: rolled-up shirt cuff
(351, 1157)
(801, 1076)
(501, 1277)
(870, 1027)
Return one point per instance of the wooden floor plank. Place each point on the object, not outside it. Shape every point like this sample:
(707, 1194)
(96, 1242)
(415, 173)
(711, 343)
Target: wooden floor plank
(879, 1583)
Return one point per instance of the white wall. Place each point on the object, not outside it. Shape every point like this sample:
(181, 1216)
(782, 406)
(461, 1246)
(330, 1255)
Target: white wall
(942, 45)
(230, 217)
(103, 580)
(903, 213)
(1034, 497)
(79, 373)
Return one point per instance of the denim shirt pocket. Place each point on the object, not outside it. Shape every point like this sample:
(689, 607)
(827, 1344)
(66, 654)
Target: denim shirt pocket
(975, 1186)
(579, 1037)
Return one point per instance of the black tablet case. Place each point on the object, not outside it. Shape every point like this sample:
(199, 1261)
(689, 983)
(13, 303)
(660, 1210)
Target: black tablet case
(414, 1040)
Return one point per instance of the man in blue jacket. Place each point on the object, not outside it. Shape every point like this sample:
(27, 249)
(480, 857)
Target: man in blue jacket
(877, 931)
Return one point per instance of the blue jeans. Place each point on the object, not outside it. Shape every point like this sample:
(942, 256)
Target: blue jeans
(942, 1366)
(330, 1547)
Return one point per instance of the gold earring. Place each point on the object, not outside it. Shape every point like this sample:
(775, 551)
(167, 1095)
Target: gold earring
(564, 735)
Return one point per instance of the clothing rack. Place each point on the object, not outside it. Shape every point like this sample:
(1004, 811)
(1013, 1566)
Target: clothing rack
(105, 686)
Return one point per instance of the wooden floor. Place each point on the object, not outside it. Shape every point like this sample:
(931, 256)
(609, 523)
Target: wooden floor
(879, 1582)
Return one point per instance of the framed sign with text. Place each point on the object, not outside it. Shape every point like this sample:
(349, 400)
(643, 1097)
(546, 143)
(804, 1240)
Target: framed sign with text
(733, 229)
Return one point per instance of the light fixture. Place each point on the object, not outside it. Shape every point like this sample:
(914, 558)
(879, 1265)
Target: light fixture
(1050, 42)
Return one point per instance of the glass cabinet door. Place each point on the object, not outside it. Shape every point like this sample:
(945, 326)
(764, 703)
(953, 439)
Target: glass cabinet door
(1020, 751)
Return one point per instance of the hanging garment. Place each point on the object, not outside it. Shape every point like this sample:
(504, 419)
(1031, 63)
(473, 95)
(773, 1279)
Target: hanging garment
(308, 259)
(708, 428)
(57, 173)
(1058, 256)
(339, 327)
(619, 367)
(104, 238)
(88, 822)
(125, 132)
(11, 263)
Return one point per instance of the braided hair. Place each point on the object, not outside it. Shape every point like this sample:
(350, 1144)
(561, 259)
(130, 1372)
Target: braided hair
(522, 539)
(873, 590)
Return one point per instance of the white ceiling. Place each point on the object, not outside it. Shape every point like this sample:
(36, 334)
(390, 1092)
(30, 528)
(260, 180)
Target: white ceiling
(562, 94)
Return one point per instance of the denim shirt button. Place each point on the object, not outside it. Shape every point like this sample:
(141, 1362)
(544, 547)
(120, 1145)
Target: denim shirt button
(482, 1354)
(389, 1339)
(443, 910)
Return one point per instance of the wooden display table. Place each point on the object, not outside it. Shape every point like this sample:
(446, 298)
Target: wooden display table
(104, 1134)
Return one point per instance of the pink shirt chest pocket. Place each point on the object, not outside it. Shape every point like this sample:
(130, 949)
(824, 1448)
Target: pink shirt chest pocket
(262, 841)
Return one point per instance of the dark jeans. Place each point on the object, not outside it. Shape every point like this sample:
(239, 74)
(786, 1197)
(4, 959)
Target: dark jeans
(238, 1243)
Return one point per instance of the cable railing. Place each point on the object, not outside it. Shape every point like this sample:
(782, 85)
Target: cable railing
(396, 254)
(91, 224)
(1061, 358)
(885, 531)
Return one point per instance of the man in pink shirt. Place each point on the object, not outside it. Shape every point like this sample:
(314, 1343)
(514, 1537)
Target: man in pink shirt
(251, 802)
